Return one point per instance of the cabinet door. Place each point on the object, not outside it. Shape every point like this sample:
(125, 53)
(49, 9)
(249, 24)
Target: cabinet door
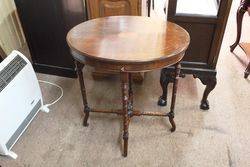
(200, 21)
(45, 24)
(205, 21)
(102, 8)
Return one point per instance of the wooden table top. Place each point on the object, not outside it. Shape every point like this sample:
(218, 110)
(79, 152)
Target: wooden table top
(128, 41)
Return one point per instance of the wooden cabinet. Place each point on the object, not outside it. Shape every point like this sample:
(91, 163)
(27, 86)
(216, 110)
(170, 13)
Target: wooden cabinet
(205, 22)
(102, 8)
(45, 24)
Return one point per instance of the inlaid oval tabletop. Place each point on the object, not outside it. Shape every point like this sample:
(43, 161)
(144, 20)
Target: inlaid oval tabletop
(128, 39)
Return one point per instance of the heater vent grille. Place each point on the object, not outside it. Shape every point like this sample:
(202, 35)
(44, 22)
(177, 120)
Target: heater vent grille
(11, 70)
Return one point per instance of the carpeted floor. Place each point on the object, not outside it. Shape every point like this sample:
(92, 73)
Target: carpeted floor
(219, 137)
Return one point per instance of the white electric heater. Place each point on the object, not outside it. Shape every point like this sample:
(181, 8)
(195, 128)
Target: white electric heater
(20, 99)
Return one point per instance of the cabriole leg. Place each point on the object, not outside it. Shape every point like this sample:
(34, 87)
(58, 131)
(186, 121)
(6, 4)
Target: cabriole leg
(210, 82)
(240, 13)
(166, 78)
(79, 67)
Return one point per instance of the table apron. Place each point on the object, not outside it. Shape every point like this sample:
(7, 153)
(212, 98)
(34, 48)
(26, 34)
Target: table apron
(128, 67)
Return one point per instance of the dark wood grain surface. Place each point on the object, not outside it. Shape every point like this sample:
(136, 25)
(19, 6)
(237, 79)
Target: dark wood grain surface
(45, 24)
(128, 41)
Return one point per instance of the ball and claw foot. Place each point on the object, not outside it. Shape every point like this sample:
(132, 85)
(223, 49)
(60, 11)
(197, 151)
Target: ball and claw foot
(162, 102)
(204, 105)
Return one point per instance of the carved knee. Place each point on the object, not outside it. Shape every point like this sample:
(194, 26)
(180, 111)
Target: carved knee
(166, 78)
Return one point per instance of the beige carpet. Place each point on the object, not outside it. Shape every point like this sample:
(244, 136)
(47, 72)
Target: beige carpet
(219, 137)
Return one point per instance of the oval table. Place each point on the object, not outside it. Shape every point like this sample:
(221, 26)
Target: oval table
(127, 44)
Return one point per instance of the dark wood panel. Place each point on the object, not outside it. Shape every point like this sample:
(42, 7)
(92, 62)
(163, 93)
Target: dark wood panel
(206, 33)
(201, 41)
(54, 70)
(45, 24)
(223, 13)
